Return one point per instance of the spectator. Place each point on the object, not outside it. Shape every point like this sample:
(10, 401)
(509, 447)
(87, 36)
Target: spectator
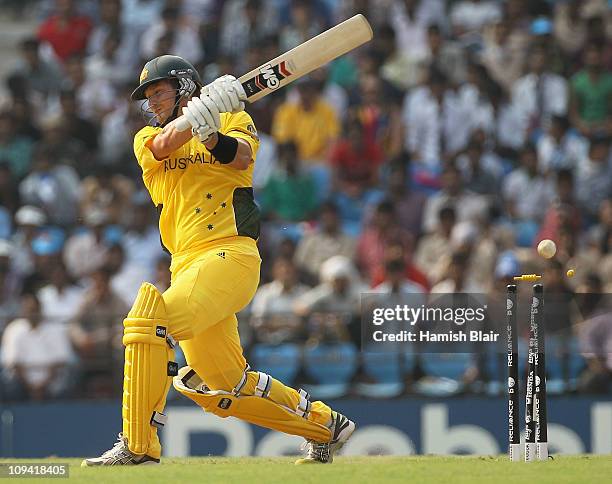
(472, 15)
(290, 195)
(186, 42)
(395, 280)
(561, 147)
(29, 220)
(594, 177)
(310, 123)
(591, 89)
(539, 94)
(327, 241)
(397, 68)
(14, 150)
(96, 331)
(86, 251)
(304, 23)
(9, 285)
(42, 75)
(373, 240)
(52, 186)
(564, 211)
(75, 125)
(481, 170)
(95, 97)
(46, 246)
(140, 14)
(446, 56)
(436, 246)
(64, 150)
(61, 298)
(109, 63)
(332, 306)
(246, 23)
(111, 25)
(66, 31)
(355, 158)
(527, 195)
(272, 316)
(455, 279)
(503, 53)
(9, 194)
(36, 356)
(409, 203)
(468, 205)
(410, 19)
(435, 121)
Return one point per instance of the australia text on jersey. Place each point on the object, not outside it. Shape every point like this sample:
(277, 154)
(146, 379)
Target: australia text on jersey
(183, 162)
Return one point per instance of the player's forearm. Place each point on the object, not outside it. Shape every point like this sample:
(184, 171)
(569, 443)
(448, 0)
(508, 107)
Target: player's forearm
(243, 157)
(168, 141)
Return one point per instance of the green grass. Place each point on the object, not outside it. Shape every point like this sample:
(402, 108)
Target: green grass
(374, 469)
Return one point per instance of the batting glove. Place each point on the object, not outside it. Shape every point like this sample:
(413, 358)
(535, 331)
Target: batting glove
(227, 93)
(203, 116)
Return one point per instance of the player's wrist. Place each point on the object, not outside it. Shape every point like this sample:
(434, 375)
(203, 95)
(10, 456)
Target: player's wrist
(212, 141)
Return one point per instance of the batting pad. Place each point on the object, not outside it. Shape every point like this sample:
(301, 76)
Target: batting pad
(147, 372)
(253, 409)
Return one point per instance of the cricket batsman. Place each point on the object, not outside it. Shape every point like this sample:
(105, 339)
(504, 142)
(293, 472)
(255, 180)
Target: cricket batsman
(201, 182)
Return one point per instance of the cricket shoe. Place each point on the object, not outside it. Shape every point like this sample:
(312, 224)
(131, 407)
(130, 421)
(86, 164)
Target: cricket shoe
(119, 455)
(323, 453)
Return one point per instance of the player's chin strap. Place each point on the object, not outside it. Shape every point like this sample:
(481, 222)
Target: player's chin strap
(186, 88)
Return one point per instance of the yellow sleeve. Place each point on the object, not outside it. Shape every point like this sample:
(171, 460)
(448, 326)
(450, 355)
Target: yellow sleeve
(241, 125)
(147, 161)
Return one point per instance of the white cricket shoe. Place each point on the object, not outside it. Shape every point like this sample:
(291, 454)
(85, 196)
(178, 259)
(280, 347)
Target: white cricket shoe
(323, 453)
(119, 455)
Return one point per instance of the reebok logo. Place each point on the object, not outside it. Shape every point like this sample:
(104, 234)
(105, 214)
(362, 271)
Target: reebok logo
(221, 254)
(160, 331)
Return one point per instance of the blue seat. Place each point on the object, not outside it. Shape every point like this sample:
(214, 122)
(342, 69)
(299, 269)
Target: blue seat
(564, 363)
(331, 363)
(280, 361)
(446, 365)
(383, 367)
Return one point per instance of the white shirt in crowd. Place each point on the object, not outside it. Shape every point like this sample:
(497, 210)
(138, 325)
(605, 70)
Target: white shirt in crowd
(271, 299)
(411, 32)
(428, 124)
(469, 207)
(531, 195)
(36, 349)
(470, 15)
(555, 155)
(59, 307)
(542, 95)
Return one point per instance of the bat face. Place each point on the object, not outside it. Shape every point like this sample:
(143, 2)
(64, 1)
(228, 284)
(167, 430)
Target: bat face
(269, 77)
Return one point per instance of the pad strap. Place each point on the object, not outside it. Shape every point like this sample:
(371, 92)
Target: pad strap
(238, 388)
(304, 406)
(159, 419)
(264, 383)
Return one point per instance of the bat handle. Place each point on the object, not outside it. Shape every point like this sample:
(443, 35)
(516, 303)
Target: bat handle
(182, 124)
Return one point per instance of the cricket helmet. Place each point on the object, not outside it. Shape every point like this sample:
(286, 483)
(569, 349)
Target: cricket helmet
(165, 67)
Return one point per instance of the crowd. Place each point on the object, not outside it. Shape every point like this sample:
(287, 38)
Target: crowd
(431, 160)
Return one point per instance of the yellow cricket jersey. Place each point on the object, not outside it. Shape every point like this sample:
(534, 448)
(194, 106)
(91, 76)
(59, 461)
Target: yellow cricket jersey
(201, 200)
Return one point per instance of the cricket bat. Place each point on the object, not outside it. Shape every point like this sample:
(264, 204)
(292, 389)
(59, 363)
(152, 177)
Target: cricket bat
(301, 60)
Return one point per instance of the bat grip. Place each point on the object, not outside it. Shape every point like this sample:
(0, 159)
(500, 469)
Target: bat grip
(182, 124)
